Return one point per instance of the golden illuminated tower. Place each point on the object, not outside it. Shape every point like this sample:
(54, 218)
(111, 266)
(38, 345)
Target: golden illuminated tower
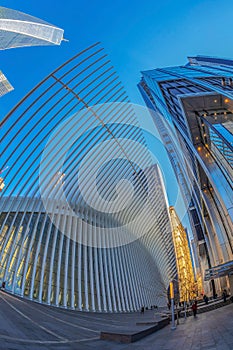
(187, 285)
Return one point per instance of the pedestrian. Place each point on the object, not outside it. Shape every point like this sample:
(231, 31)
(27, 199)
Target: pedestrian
(142, 310)
(3, 284)
(224, 295)
(206, 299)
(194, 308)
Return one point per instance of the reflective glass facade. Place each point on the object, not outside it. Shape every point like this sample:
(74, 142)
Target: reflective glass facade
(218, 144)
(18, 29)
(5, 86)
(194, 113)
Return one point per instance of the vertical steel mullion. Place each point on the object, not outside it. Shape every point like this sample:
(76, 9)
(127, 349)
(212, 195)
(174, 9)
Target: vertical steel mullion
(37, 254)
(48, 234)
(79, 272)
(97, 272)
(73, 252)
(67, 252)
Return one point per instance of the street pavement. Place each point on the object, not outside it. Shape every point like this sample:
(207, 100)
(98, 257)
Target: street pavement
(212, 330)
(28, 325)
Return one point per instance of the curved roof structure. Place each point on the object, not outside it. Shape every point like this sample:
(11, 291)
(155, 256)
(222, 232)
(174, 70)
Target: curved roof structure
(18, 29)
(84, 219)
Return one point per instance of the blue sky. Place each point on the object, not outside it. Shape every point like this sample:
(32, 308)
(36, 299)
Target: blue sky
(137, 35)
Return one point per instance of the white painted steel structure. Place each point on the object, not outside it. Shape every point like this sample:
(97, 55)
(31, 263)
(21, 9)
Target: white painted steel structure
(84, 218)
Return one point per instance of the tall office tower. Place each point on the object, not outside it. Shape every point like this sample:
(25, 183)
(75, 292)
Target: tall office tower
(159, 240)
(18, 29)
(188, 288)
(5, 86)
(192, 108)
(83, 225)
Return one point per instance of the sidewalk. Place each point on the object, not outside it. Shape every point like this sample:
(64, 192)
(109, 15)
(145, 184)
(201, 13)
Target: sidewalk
(212, 330)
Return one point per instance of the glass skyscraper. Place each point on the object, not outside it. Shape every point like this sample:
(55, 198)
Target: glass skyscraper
(18, 29)
(192, 107)
(5, 86)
